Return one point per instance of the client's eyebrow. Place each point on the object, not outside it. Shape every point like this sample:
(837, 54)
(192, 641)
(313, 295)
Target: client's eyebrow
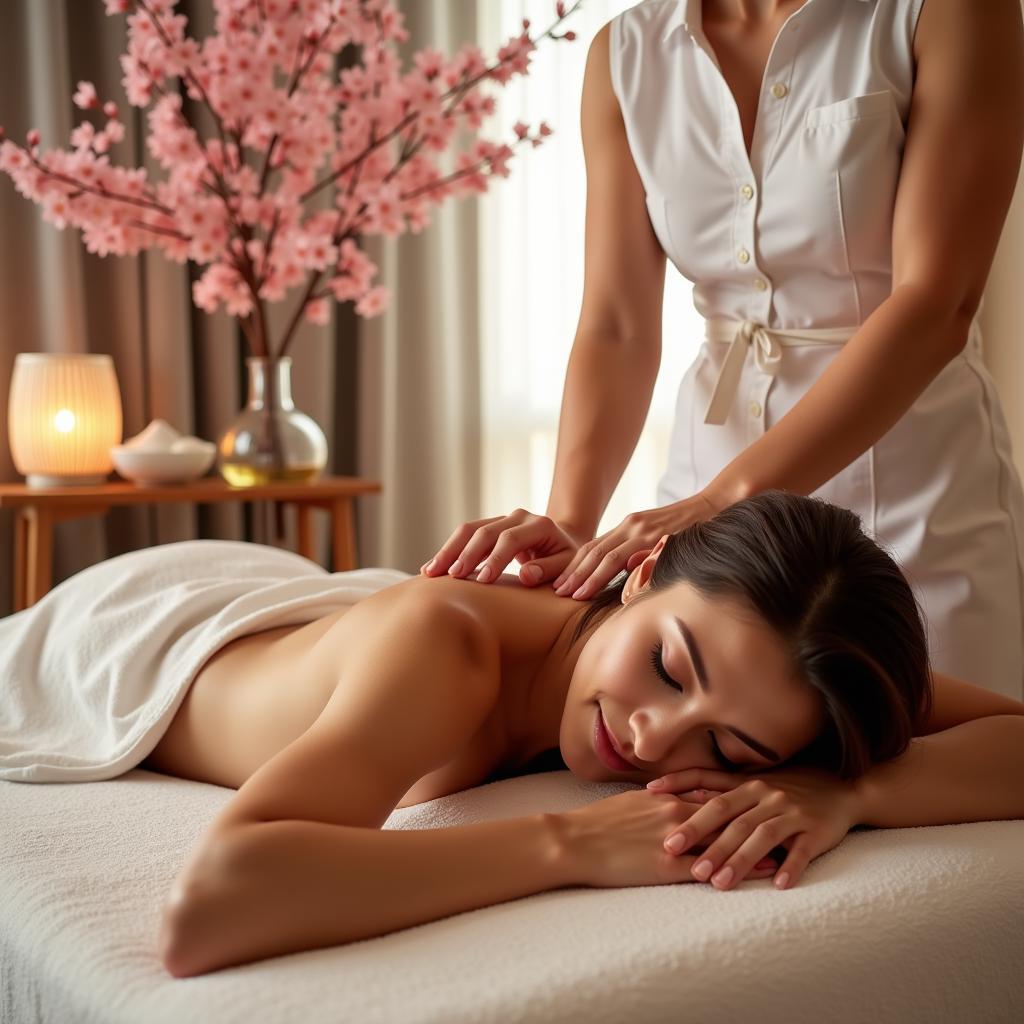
(702, 679)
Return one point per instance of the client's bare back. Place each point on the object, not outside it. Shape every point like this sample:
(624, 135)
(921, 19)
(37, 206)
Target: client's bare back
(261, 692)
(250, 700)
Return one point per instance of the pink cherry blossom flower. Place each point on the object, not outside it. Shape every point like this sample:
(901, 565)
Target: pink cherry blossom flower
(56, 208)
(12, 158)
(86, 96)
(318, 312)
(82, 136)
(114, 131)
(373, 302)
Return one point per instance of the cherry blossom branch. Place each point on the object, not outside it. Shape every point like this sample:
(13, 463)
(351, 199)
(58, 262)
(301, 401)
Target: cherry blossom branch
(243, 265)
(311, 295)
(220, 187)
(297, 315)
(335, 238)
(99, 190)
(191, 77)
(462, 88)
(296, 77)
(431, 186)
(255, 332)
(169, 232)
(358, 162)
(269, 246)
(222, 190)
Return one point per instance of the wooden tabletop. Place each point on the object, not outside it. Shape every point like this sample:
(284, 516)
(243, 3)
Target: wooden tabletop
(206, 489)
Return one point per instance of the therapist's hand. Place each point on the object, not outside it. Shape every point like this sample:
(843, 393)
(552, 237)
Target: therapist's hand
(600, 560)
(534, 541)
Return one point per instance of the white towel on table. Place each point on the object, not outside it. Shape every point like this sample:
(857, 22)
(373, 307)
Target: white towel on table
(93, 673)
(893, 926)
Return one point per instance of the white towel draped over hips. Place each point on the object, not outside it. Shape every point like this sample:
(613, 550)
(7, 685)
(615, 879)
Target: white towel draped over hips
(789, 249)
(93, 673)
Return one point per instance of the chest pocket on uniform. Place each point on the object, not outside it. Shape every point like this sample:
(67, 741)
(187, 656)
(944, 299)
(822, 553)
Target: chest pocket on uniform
(852, 151)
(853, 108)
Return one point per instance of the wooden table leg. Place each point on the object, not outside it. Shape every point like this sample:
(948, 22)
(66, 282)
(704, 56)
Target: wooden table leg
(278, 507)
(343, 534)
(39, 554)
(20, 559)
(304, 541)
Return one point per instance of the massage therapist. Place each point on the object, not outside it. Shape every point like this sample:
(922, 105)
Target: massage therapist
(833, 176)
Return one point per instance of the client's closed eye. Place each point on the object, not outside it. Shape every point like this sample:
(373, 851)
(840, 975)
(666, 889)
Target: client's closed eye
(659, 668)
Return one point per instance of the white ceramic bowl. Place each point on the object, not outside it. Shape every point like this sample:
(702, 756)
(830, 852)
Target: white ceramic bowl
(164, 467)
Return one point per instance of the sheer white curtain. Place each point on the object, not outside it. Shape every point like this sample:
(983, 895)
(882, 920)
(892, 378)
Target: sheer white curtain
(531, 276)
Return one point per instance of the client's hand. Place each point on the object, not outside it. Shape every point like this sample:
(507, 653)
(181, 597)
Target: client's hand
(618, 841)
(805, 810)
(544, 544)
(600, 560)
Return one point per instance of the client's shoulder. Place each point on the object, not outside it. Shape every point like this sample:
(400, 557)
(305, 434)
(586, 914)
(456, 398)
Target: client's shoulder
(449, 607)
(503, 619)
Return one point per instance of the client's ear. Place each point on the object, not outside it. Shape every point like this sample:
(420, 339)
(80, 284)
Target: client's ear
(641, 572)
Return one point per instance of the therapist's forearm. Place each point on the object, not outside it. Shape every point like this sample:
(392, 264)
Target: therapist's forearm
(972, 772)
(897, 352)
(608, 386)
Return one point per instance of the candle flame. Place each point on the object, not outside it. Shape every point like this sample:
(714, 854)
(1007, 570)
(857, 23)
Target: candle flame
(64, 421)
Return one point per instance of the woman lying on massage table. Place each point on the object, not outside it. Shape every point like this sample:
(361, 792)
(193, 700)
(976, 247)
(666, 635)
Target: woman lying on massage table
(773, 655)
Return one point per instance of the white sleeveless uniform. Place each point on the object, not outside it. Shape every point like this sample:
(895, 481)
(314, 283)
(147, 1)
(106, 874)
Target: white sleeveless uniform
(798, 239)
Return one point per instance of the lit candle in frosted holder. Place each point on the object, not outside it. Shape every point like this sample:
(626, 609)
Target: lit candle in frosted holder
(63, 417)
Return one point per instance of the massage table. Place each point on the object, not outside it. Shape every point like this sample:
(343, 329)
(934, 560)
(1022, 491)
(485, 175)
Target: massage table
(905, 925)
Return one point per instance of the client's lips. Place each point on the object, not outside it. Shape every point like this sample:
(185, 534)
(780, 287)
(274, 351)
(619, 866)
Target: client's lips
(607, 748)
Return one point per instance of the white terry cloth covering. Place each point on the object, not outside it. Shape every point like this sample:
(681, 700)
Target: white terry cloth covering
(93, 673)
(893, 926)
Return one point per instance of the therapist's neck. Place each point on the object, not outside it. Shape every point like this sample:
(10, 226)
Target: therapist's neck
(750, 11)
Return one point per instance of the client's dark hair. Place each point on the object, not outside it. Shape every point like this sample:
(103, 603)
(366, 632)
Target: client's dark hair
(839, 602)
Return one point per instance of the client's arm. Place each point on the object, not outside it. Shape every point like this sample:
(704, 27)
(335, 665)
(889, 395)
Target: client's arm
(296, 860)
(972, 772)
(968, 764)
(285, 886)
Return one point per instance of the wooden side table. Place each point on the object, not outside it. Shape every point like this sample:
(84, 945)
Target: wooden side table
(37, 509)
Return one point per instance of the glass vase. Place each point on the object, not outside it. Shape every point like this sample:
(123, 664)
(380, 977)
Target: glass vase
(270, 439)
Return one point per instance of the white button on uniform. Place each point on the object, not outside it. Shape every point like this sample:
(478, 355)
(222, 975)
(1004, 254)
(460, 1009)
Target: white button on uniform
(779, 90)
(755, 409)
(743, 255)
(746, 191)
(760, 284)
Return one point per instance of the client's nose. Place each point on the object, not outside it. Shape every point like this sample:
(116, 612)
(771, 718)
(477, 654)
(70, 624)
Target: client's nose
(659, 738)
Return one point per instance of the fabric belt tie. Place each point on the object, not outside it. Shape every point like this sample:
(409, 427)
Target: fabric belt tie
(767, 343)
